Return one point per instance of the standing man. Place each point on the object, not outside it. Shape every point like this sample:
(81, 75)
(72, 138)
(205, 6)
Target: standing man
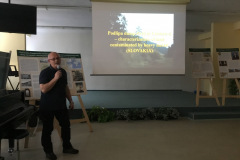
(54, 91)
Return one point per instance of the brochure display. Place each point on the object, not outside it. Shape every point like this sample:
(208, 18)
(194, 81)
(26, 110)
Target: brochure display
(229, 68)
(202, 68)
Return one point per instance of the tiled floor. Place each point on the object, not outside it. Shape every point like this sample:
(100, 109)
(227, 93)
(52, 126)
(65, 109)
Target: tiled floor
(181, 139)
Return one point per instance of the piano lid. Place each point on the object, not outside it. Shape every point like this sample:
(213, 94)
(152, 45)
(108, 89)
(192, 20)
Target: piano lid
(4, 67)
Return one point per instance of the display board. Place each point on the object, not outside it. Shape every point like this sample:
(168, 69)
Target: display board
(202, 65)
(228, 61)
(32, 62)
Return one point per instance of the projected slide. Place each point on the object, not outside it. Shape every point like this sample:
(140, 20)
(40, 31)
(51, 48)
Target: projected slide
(139, 37)
(136, 43)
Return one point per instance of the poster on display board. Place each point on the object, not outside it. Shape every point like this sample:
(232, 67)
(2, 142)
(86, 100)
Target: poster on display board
(202, 66)
(31, 63)
(228, 62)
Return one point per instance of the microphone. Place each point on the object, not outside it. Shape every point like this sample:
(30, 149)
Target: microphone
(58, 67)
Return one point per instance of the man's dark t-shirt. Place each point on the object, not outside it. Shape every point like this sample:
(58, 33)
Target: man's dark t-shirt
(54, 99)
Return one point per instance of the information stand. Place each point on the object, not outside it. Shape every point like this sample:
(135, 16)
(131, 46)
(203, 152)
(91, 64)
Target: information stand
(30, 130)
(56, 124)
(198, 96)
(202, 69)
(85, 119)
(229, 68)
(30, 65)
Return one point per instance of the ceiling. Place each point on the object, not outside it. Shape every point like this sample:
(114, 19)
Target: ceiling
(77, 13)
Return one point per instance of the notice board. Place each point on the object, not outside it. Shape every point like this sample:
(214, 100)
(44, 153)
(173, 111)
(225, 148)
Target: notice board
(228, 62)
(202, 65)
(31, 63)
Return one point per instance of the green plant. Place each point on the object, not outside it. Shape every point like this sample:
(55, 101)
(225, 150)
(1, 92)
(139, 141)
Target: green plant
(150, 113)
(232, 87)
(100, 114)
(122, 114)
(165, 113)
(162, 113)
(137, 114)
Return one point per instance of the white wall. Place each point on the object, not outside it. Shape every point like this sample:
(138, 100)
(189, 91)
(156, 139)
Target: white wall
(80, 41)
(12, 42)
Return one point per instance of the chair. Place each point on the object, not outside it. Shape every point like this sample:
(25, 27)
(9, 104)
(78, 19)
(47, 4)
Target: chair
(15, 134)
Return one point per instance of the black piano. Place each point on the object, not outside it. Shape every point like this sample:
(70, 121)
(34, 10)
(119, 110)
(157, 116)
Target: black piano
(14, 110)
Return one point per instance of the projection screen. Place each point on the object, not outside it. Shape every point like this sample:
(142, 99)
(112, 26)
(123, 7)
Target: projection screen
(133, 39)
